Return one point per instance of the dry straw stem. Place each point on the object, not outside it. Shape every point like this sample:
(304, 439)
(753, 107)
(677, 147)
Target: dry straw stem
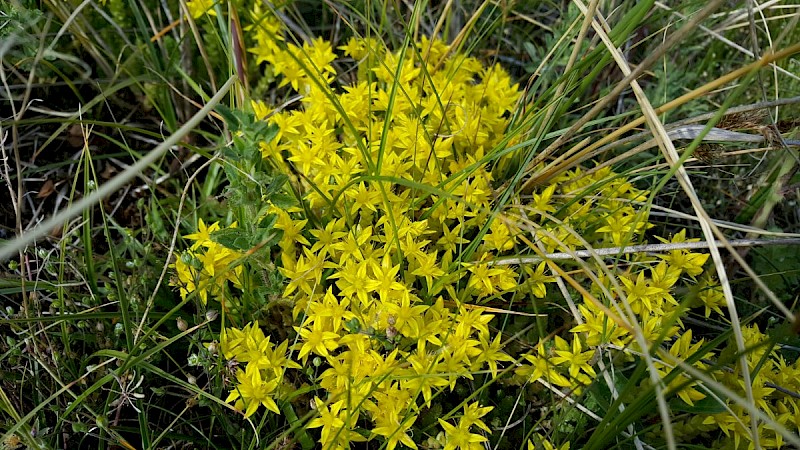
(629, 78)
(647, 248)
(198, 40)
(568, 398)
(73, 19)
(618, 317)
(175, 232)
(566, 163)
(657, 210)
(705, 218)
(623, 84)
(439, 24)
(17, 115)
(709, 230)
(561, 276)
(9, 249)
(455, 46)
(730, 43)
(576, 49)
(654, 123)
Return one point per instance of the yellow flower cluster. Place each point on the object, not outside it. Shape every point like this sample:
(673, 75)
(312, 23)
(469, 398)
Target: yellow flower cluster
(256, 385)
(208, 266)
(400, 240)
(376, 283)
(775, 386)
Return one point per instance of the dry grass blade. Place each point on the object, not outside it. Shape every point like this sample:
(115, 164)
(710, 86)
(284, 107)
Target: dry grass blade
(646, 248)
(709, 230)
(655, 124)
(171, 252)
(599, 106)
(9, 249)
(716, 35)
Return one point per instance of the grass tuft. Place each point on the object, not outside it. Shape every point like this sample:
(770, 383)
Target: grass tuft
(375, 225)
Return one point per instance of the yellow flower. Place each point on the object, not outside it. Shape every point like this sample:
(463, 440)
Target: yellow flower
(546, 444)
(395, 431)
(260, 109)
(199, 7)
(683, 348)
(619, 226)
(337, 423)
(423, 377)
(428, 268)
(202, 238)
(492, 353)
(535, 280)
(691, 263)
(384, 280)
(316, 340)
(406, 317)
(473, 413)
(577, 359)
(459, 436)
(252, 391)
(712, 297)
(482, 278)
(640, 294)
(541, 368)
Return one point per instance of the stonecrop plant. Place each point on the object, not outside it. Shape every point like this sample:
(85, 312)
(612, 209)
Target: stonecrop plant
(404, 263)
